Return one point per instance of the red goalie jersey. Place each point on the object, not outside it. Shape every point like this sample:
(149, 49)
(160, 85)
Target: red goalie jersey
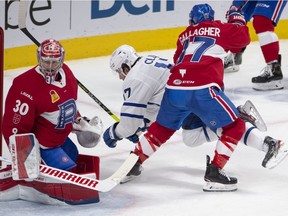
(48, 111)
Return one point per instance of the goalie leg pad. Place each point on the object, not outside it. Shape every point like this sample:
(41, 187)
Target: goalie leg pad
(58, 158)
(9, 189)
(70, 148)
(24, 149)
(63, 193)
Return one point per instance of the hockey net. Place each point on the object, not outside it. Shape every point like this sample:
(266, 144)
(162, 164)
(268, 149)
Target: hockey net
(1, 83)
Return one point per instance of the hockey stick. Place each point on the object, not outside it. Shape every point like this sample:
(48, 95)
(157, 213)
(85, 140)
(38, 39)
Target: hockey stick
(98, 101)
(104, 185)
(23, 5)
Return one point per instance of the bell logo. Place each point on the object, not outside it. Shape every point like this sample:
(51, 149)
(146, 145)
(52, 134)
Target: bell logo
(154, 5)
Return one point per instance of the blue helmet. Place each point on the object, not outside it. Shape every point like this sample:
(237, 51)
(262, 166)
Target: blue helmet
(201, 13)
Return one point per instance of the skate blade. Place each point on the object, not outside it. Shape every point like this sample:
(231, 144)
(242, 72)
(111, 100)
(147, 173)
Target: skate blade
(218, 187)
(249, 113)
(275, 161)
(273, 85)
(232, 69)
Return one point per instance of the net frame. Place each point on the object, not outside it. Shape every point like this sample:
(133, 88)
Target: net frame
(1, 84)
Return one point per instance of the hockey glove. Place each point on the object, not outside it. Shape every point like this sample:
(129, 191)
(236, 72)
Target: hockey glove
(235, 16)
(135, 137)
(110, 138)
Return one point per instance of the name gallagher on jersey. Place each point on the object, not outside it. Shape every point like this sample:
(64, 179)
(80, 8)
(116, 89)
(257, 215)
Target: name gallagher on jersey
(69, 176)
(208, 31)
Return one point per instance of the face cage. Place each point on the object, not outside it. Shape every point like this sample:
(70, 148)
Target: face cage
(49, 67)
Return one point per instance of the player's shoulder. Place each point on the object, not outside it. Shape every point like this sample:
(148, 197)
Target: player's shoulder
(215, 23)
(28, 76)
(65, 67)
(67, 70)
(29, 82)
(218, 22)
(68, 73)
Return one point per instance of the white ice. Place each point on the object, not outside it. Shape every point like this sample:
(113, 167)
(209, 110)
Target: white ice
(172, 180)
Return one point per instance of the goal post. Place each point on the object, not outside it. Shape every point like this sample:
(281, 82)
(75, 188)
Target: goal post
(1, 84)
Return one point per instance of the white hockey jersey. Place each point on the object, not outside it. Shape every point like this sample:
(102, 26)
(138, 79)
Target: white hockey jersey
(143, 90)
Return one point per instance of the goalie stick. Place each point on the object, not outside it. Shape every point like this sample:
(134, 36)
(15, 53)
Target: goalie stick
(23, 5)
(104, 185)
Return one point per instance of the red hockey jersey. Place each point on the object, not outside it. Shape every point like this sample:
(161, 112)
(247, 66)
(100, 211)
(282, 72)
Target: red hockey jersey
(48, 111)
(200, 52)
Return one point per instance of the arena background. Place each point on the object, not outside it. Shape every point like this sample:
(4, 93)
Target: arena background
(91, 28)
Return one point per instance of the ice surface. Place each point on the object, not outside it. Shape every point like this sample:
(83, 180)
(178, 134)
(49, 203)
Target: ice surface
(172, 180)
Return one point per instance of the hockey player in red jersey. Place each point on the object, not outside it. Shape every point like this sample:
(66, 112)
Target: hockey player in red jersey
(266, 15)
(41, 106)
(195, 85)
(144, 80)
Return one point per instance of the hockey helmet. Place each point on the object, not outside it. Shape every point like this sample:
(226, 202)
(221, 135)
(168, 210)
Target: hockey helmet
(50, 55)
(123, 56)
(201, 13)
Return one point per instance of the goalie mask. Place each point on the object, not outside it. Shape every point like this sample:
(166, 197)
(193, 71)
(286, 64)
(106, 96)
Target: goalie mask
(123, 56)
(201, 13)
(50, 55)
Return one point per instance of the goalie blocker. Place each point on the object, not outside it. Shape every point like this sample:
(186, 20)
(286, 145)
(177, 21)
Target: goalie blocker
(24, 149)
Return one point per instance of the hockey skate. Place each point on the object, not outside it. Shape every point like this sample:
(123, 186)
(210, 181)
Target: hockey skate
(232, 62)
(277, 151)
(271, 77)
(249, 113)
(216, 180)
(133, 173)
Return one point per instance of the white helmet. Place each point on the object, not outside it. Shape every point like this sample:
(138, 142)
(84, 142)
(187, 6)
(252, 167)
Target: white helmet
(123, 55)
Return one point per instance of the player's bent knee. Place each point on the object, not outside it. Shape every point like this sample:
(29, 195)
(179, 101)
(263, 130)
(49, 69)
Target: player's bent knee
(193, 138)
(262, 24)
(234, 132)
(198, 136)
(159, 134)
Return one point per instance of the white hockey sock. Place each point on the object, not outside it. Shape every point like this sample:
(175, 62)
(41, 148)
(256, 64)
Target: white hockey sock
(253, 138)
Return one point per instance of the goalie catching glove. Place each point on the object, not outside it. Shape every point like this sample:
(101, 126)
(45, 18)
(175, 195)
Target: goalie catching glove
(88, 131)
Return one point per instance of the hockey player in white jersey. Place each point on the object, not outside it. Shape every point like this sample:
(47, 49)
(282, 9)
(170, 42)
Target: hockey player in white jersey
(144, 79)
(143, 87)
